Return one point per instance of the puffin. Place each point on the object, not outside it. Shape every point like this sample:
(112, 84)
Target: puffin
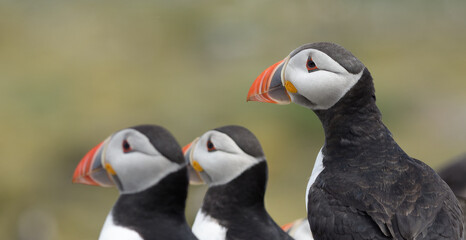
(454, 175)
(147, 165)
(363, 185)
(230, 160)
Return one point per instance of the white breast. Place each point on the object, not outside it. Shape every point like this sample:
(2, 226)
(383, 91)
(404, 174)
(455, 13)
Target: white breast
(110, 231)
(318, 167)
(208, 228)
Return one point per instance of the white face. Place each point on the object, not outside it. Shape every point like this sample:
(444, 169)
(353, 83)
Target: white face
(137, 164)
(220, 158)
(318, 88)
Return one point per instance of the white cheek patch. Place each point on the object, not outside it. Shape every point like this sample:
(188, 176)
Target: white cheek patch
(326, 88)
(324, 62)
(223, 142)
(208, 228)
(224, 164)
(141, 143)
(146, 171)
(141, 168)
(110, 231)
(323, 87)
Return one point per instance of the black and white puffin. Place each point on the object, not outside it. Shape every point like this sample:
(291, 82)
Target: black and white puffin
(363, 185)
(147, 165)
(231, 161)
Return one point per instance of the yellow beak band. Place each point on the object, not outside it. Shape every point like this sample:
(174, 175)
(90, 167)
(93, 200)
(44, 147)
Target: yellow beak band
(109, 169)
(196, 166)
(290, 87)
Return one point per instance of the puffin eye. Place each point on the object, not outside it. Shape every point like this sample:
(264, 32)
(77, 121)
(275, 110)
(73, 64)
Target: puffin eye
(210, 146)
(311, 65)
(126, 146)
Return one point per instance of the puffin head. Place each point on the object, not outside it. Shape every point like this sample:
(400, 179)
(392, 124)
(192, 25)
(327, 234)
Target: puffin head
(133, 159)
(222, 154)
(315, 75)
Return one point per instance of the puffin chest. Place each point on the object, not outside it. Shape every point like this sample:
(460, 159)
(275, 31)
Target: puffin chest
(206, 227)
(111, 231)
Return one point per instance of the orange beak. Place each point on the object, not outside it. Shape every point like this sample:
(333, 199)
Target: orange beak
(268, 86)
(90, 169)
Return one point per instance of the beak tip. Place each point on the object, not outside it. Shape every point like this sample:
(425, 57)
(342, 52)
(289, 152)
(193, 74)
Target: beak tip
(76, 176)
(76, 179)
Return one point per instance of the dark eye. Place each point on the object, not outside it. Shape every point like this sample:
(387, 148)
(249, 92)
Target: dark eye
(126, 146)
(311, 65)
(210, 146)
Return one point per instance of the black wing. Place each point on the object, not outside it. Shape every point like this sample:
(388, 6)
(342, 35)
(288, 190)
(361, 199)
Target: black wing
(401, 199)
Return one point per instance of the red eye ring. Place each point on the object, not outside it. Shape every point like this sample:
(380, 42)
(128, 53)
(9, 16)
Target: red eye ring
(210, 146)
(311, 65)
(126, 146)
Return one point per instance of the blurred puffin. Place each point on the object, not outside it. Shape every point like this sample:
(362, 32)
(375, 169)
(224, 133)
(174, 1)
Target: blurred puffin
(454, 175)
(363, 185)
(147, 165)
(231, 161)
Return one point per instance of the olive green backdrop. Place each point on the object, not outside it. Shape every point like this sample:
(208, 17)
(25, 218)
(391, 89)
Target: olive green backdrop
(73, 72)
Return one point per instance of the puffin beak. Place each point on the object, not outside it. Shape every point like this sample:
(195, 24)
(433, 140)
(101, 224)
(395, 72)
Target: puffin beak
(194, 168)
(268, 85)
(92, 169)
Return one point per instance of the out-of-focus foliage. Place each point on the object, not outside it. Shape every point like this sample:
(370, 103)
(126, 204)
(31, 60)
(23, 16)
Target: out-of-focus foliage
(73, 72)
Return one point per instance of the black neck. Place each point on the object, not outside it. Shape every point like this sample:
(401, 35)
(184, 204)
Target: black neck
(242, 193)
(239, 207)
(355, 120)
(158, 210)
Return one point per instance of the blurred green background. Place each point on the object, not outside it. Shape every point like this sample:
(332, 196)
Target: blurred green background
(73, 72)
